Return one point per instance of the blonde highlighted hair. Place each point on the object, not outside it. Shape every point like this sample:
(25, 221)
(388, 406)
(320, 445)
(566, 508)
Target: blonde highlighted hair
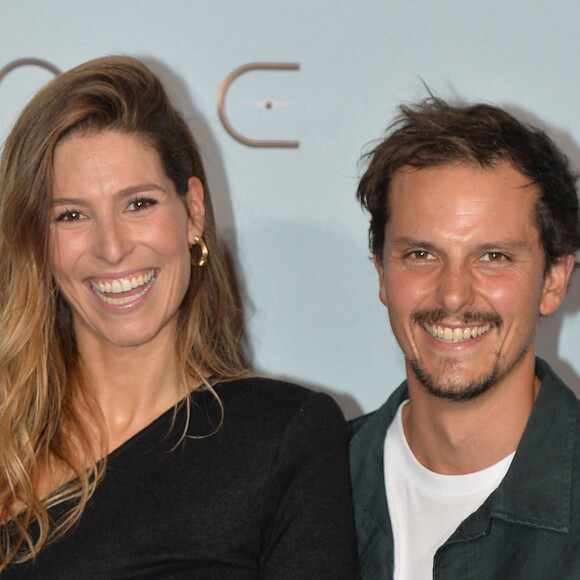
(40, 369)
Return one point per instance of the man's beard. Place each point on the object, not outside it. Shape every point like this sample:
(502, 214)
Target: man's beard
(469, 390)
(441, 384)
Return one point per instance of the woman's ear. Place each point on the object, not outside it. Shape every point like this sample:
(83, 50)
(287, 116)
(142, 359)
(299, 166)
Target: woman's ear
(195, 209)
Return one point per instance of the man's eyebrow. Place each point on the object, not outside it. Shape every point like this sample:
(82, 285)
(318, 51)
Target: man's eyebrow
(125, 192)
(503, 246)
(499, 245)
(407, 242)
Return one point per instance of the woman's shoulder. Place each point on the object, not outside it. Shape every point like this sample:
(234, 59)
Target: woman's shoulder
(259, 398)
(276, 421)
(272, 392)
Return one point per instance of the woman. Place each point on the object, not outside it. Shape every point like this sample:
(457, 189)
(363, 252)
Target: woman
(134, 443)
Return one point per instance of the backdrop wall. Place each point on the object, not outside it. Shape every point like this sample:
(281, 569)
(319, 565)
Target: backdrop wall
(293, 228)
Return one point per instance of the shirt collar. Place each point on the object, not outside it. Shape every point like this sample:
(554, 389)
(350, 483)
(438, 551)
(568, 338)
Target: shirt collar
(537, 488)
(536, 491)
(367, 471)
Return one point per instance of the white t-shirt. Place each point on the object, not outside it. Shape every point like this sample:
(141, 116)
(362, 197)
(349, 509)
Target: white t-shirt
(427, 507)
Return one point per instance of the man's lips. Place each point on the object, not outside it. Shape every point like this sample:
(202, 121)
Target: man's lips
(450, 328)
(457, 334)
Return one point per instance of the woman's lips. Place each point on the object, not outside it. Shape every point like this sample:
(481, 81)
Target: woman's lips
(121, 291)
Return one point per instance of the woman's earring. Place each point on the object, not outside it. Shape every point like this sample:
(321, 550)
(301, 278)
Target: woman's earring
(204, 252)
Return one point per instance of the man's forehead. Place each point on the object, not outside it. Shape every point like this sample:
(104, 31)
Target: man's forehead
(470, 176)
(465, 195)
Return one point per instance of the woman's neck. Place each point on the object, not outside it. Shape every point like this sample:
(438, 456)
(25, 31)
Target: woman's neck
(131, 386)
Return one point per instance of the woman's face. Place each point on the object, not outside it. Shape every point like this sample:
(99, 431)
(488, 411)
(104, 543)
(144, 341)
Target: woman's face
(119, 239)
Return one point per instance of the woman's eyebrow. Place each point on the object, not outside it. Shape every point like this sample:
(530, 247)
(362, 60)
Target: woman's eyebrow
(125, 192)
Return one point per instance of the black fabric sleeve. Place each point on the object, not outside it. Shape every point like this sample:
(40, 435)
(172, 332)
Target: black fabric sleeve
(311, 532)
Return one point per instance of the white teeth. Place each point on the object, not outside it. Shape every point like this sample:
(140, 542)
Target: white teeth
(447, 334)
(457, 334)
(101, 288)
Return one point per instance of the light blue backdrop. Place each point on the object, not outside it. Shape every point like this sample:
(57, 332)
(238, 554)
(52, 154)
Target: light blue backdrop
(295, 233)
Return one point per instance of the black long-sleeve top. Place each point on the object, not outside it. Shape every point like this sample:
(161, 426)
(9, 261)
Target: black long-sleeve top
(266, 496)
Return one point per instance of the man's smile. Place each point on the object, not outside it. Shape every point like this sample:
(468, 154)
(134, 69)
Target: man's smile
(450, 335)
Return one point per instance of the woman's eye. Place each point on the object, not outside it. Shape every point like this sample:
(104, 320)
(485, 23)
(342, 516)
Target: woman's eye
(69, 216)
(141, 203)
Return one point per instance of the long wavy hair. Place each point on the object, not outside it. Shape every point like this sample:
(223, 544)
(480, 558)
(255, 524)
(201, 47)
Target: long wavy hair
(40, 368)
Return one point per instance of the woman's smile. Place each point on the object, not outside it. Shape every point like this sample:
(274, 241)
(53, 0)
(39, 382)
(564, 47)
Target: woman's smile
(125, 290)
(120, 238)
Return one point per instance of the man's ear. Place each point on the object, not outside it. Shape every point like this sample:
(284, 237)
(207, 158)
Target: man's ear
(556, 283)
(378, 260)
(195, 209)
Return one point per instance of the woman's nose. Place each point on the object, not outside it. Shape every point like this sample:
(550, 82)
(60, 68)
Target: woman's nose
(111, 242)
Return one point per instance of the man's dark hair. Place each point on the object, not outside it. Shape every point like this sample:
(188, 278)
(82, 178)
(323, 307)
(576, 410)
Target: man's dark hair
(433, 133)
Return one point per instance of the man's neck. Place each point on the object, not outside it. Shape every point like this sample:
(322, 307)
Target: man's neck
(463, 437)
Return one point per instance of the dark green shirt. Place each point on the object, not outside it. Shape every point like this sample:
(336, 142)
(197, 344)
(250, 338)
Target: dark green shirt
(528, 528)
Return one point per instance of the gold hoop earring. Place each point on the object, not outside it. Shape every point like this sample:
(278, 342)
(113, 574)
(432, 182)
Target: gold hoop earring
(202, 261)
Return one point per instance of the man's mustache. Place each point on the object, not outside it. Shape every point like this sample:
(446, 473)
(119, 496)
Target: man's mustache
(435, 315)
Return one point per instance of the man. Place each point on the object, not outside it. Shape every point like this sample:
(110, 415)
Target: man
(471, 470)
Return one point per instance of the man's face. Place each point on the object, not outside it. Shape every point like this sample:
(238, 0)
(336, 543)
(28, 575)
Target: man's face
(462, 275)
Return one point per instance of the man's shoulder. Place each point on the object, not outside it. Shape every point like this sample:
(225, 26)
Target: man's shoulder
(369, 430)
(386, 411)
(358, 423)
(555, 389)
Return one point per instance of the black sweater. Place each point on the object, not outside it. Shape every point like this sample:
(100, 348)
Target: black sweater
(266, 496)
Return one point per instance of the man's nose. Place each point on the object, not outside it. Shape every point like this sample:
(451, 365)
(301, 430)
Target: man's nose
(455, 288)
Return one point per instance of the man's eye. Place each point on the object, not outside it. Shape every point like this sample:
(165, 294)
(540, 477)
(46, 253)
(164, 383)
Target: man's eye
(141, 203)
(494, 257)
(420, 255)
